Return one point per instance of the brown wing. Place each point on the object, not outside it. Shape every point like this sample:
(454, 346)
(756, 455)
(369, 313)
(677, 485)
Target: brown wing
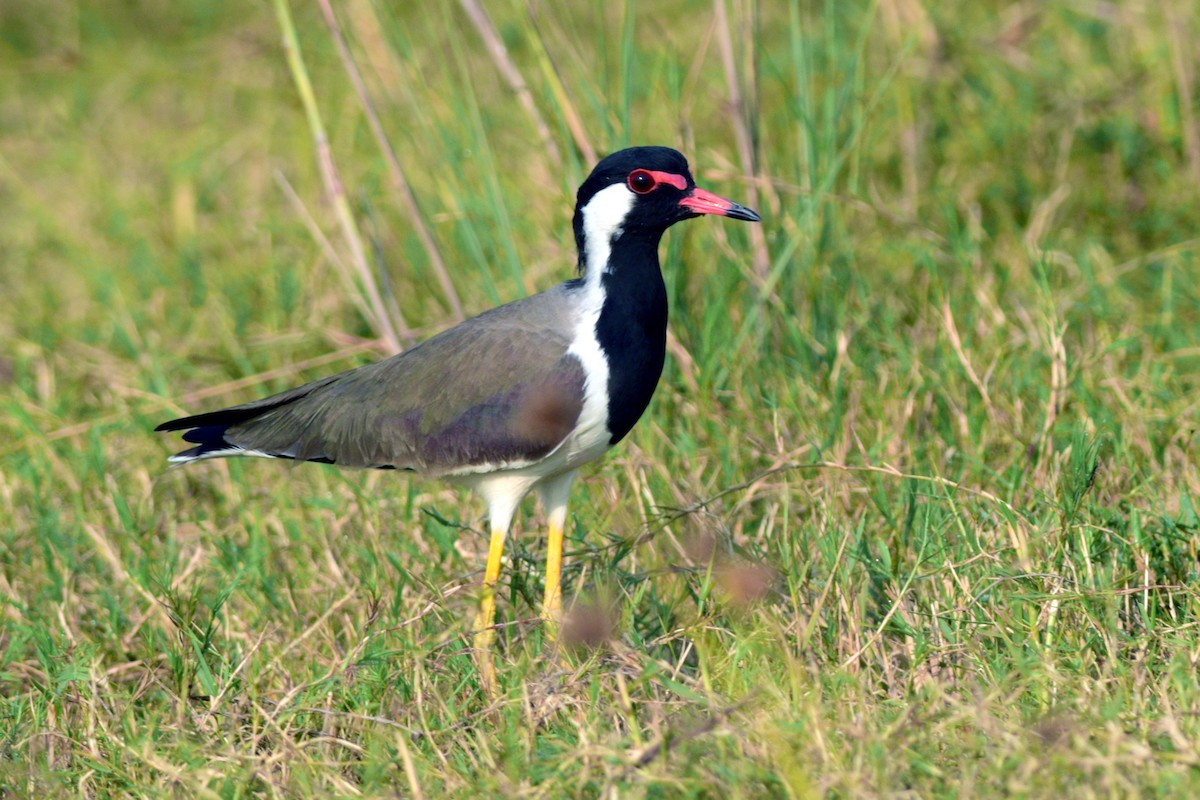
(499, 388)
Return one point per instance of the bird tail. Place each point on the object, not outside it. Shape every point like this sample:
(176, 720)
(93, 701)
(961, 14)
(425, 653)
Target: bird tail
(209, 431)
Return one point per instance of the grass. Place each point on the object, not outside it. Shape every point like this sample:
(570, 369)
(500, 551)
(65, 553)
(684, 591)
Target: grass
(914, 511)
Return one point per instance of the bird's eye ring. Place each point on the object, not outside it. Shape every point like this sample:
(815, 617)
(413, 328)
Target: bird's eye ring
(642, 181)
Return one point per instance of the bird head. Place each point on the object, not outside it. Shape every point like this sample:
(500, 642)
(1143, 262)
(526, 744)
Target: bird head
(640, 192)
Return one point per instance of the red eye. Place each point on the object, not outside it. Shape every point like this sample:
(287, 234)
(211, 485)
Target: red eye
(641, 181)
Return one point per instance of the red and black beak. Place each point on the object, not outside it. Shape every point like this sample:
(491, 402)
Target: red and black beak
(698, 201)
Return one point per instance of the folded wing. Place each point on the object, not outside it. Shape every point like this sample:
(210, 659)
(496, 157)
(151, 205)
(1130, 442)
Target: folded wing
(497, 390)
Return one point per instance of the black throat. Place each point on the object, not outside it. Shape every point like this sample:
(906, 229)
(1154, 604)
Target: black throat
(632, 328)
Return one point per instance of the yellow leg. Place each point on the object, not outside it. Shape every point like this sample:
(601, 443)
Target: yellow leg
(552, 600)
(554, 497)
(485, 634)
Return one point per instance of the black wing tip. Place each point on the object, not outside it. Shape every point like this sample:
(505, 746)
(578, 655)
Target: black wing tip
(224, 418)
(202, 430)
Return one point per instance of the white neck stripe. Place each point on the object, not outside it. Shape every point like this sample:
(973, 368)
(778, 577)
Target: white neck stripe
(603, 220)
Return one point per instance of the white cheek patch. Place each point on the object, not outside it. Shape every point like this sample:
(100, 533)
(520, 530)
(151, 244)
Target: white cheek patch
(603, 217)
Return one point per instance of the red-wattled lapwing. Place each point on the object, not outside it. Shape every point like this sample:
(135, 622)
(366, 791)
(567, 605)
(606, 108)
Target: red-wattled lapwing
(516, 399)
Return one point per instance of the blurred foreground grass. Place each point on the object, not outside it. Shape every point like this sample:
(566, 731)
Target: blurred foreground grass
(913, 512)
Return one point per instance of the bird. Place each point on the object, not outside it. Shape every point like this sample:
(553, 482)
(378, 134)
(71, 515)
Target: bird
(516, 399)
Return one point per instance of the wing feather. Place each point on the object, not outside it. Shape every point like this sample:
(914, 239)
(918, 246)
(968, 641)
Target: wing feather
(497, 389)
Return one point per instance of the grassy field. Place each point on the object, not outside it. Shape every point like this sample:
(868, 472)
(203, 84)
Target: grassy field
(914, 512)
